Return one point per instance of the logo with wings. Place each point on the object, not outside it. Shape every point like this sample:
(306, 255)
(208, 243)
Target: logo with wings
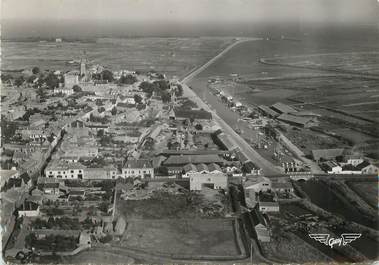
(327, 240)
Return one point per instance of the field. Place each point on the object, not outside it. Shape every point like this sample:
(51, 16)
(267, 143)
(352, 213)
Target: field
(307, 140)
(353, 95)
(367, 190)
(344, 91)
(172, 56)
(163, 204)
(166, 220)
(213, 237)
(355, 62)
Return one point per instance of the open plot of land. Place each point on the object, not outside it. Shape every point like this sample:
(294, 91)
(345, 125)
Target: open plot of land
(158, 203)
(367, 190)
(346, 93)
(359, 62)
(307, 140)
(182, 237)
(172, 56)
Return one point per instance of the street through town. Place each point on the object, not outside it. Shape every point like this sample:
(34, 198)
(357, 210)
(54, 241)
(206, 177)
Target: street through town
(267, 167)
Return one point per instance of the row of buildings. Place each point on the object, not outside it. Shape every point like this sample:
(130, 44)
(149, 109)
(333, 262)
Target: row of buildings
(289, 115)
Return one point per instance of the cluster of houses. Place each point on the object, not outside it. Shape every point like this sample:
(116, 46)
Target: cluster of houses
(54, 198)
(261, 198)
(336, 161)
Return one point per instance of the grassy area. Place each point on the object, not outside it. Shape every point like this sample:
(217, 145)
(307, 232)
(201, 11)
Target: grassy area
(172, 56)
(182, 236)
(307, 140)
(287, 246)
(165, 219)
(361, 63)
(367, 190)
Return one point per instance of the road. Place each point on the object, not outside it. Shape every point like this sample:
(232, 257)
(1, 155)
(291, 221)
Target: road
(267, 167)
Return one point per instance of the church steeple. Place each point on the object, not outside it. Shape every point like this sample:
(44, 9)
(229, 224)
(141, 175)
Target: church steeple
(83, 70)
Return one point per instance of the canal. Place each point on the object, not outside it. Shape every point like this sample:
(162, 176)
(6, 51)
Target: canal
(298, 211)
(365, 245)
(321, 195)
(324, 197)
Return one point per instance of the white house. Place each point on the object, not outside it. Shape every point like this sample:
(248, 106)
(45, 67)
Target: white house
(370, 169)
(65, 170)
(266, 207)
(260, 226)
(63, 90)
(198, 181)
(353, 160)
(29, 209)
(257, 183)
(333, 167)
(142, 168)
(100, 173)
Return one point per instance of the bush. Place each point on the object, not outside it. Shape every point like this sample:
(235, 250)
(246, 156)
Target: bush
(35, 70)
(107, 75)
(106, 239)
(198, 127)
(137, 99)
(127, 79)
(77, 89)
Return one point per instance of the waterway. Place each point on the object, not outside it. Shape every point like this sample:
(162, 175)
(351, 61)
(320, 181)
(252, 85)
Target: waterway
(321, 195)
(365, 245)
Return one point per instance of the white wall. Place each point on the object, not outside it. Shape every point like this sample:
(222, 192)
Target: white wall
(197, 181)
(65, 173)
(137, 172)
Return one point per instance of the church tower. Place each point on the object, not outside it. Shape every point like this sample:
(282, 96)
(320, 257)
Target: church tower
(83, 70)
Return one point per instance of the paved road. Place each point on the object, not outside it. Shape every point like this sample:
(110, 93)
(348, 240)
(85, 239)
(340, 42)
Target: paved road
(267, 167)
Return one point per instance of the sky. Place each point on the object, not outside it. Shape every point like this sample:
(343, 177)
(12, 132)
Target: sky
(338, 11)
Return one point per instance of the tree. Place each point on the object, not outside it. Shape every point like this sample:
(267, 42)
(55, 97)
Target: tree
(52, 81)
(105, 140)
(107, 75)
(51, 137)
(137, 98)
(339, 158)
(114, 111)
(8, 129)
(147, 87)
(101, 109)
(35, 70)
(104, 206)
(19, 81)
(179, 91)
(127, 79)
(30, 79)
(162, 84)
(166, 97)
(99, 102)
(6, 77)
(100, 133)
(198, 127)
(77, 89)
(141, 106)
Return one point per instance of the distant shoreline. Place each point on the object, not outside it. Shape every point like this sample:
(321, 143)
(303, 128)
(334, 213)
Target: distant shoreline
(96, 39)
